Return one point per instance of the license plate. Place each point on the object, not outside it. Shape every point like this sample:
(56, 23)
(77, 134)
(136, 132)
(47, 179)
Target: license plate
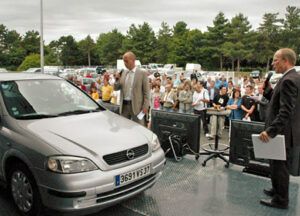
(132, 175)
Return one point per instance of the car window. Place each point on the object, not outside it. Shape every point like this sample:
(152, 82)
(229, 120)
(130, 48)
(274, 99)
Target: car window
(48, 97)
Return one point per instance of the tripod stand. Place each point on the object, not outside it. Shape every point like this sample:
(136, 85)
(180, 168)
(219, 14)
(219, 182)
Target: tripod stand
(216, 152)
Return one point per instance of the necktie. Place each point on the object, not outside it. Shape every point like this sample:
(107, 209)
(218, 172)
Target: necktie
(128, 84)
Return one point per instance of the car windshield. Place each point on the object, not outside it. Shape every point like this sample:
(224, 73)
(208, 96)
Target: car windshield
(31, 99)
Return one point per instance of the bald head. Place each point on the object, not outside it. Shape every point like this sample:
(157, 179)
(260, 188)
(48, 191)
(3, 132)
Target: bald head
(288, 54)
(130, 55)
(283, 60)
(129, 60)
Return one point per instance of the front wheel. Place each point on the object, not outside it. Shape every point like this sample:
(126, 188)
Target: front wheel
(24, 190)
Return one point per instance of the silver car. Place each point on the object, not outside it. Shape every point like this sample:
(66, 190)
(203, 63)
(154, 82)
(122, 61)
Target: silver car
(61, 150)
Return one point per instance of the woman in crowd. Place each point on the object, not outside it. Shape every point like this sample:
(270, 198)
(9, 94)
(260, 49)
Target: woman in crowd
(185, 98)
(234, 104)
(155, 100)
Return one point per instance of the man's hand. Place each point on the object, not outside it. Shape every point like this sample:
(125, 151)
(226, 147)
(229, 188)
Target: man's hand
(247, 116)
(118, 76)
(264, 136)
(268, 87)
(145, 110)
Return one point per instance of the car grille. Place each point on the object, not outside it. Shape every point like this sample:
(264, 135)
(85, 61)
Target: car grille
(127, 189)
(120, 157)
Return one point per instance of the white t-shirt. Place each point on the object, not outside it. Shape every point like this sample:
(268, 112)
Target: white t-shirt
(200, 105)
(162, 89)
(117, 94)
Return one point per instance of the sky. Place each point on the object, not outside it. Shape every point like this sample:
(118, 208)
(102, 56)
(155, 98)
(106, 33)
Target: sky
(80, 18)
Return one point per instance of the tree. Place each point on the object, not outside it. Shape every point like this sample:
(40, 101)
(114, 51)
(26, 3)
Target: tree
(70, 53)
(291, 33)
(31, 42)
(87, 46)
(217, 37)
(163, 43)
(178, 49)
(237, 40)
(32, 60)
(268, 38)
(108, 47)
(141, 40)
(194, 46)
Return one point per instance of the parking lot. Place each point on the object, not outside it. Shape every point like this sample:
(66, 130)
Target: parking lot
(187, 188)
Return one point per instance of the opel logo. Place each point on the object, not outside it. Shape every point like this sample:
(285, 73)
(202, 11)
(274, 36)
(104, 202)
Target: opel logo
(130, 154)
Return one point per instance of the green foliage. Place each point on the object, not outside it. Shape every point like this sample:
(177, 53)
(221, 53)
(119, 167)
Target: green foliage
(141, 40)
(70, 53)
(87, 47)
(32, 60)
(178, 48)
(217, 37)
(108, 47)
(31, 42)
(290, 36)
(163, 43)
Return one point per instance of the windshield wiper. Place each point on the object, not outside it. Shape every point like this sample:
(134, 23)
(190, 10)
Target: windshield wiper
(35, 116)
(75, 112)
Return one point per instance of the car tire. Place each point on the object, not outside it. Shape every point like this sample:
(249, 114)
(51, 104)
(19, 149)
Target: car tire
(23, 190)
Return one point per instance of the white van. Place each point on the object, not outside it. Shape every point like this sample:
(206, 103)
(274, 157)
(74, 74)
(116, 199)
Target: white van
(192, 66)
(121, 65)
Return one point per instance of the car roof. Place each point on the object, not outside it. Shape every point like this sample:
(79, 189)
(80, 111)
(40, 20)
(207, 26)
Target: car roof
(26, 76)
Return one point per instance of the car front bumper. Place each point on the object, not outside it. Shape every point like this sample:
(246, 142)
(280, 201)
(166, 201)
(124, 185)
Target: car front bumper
(89, 192)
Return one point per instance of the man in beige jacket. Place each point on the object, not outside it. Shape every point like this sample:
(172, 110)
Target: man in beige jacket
(135, 92)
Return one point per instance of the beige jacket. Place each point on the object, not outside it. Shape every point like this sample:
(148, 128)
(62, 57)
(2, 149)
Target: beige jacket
(169, 98)
(183, 103)
(140, 94)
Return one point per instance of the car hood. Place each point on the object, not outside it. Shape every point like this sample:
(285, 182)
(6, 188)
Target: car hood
(91, 135)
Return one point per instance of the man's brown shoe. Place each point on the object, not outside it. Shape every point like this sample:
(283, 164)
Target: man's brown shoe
(274, 204)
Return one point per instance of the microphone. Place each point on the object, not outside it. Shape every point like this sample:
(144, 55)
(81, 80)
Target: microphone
(117, 79)
(270, 74)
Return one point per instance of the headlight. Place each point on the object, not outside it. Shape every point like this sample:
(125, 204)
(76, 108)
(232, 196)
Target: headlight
(155, 142)
(69, 164)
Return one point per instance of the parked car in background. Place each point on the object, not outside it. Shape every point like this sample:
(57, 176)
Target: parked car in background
(3, 70)
(168, 69)
(69, 70)
(60, 149)
(52, 70)
(256, 74)
(100, 69)
(33, 70)
(87, 82)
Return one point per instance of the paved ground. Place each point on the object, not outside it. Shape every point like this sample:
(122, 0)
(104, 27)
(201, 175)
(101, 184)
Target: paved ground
(186, 188)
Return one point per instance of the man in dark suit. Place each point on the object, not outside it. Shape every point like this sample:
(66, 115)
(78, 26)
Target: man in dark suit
(212, 92)
(282, 118)
(135, 92)
(194, 75)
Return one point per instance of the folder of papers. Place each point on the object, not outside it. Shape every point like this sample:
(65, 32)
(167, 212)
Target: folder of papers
(274, 149)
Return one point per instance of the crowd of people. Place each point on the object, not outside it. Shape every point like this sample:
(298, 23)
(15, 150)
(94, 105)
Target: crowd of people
(243, 97)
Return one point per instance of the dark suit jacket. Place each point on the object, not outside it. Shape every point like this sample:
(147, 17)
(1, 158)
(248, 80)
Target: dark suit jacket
(283, 115)
(215, 93)
(194, 76)
(140, 91)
